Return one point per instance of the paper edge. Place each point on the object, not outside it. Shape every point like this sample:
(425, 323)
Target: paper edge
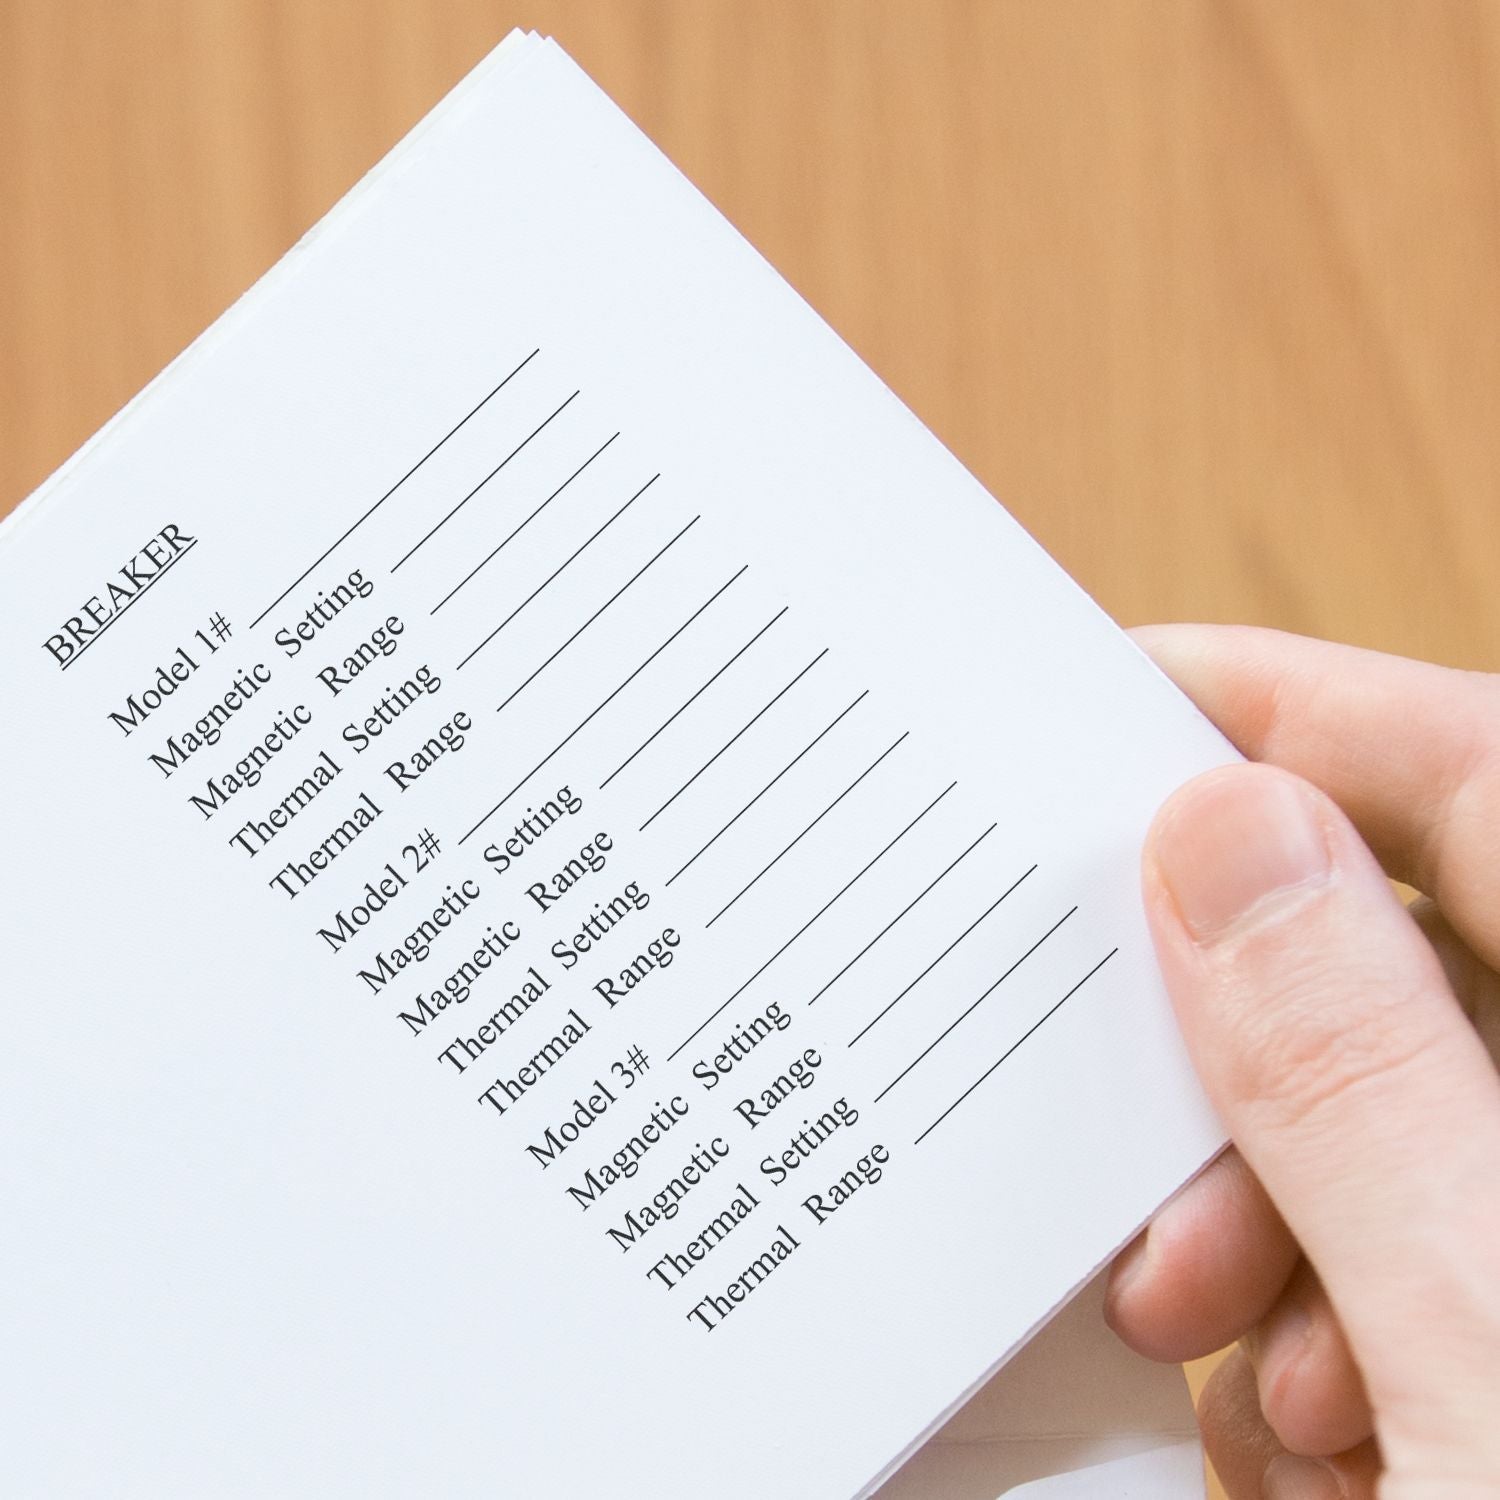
(890, 1469)
(514, 49)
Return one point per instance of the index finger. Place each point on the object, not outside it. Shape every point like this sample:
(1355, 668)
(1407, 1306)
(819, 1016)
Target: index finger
(1410, 751)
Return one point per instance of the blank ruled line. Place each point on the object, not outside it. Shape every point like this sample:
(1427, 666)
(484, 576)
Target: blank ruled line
(402, 480)
(605, 704)
(490, 557)
(741, 730)
(516, 692)
(837, 895)
(772, 782)
(947, 1030)
(722, 670)
(400, 561)
(588, 542)
(941, 956)
(904, 734)
(921, 895)
(144, 588)
(1009, 1050)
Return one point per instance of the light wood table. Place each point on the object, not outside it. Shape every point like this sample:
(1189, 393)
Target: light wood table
(1208, 291)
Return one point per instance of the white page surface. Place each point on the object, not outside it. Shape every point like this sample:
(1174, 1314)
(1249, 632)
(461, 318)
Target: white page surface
(784, 716)
(1074, 1414)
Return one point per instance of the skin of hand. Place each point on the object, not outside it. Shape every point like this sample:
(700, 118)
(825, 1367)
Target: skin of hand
(1350, 1239)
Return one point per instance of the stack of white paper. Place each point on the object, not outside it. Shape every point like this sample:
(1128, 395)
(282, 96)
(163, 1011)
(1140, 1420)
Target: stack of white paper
(571, 918)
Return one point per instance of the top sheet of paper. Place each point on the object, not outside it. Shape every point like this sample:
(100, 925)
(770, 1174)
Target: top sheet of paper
(570, 887)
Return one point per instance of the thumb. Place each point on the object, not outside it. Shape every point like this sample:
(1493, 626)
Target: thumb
(1324, 1030)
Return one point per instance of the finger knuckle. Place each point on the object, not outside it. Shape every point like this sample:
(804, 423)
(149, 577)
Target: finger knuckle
(1313, 1061)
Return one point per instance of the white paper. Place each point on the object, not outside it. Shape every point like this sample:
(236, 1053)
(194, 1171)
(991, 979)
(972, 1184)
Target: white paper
(675, 556)
(1155, 1474)
(1074, 1415)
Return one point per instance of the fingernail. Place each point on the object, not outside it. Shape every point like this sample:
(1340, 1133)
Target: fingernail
(1289, 1477)
(1129, 1268)
(1235, 843)
(1277, 1346)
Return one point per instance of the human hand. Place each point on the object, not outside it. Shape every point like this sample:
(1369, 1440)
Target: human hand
(1351, 1240)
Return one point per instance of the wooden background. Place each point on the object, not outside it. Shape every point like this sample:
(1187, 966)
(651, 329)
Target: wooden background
(1207, 291)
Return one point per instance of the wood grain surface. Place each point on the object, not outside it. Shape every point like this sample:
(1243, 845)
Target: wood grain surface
(1207, 293)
